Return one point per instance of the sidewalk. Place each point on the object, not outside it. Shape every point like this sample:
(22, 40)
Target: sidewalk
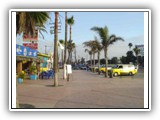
(84, 90)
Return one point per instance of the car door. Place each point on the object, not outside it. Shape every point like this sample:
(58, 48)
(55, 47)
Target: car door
(121, 71)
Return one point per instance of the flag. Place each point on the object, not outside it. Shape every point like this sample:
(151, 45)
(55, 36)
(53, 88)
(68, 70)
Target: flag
(60, 45)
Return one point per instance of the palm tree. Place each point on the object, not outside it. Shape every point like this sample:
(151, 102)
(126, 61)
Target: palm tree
(27, 21)
(130, 45)
(71, 46)
(70, 23)
(66, 31)
(41, 28)
(136, 51)
(95, 47)
(98, 50)
(91, 44)
(56, 50)
(90, 53)
(65, 49)
(106, 41)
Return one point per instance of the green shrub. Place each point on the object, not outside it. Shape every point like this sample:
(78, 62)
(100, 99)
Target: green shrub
(33, 69)
(21, 75)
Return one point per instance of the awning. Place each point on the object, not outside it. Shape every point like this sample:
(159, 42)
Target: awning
(22, 58)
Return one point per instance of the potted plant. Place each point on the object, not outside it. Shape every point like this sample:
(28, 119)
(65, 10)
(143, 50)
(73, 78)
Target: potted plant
(33, 72)
(21, 77)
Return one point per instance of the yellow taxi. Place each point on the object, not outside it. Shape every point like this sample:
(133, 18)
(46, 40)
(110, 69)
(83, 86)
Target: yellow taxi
(102, 69)
(123, 70)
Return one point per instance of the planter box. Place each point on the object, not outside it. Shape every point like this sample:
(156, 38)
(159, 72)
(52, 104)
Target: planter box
(33, 77)
(20, 80)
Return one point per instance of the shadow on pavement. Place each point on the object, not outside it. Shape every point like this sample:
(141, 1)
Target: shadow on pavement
(26, 106)
(54, 86)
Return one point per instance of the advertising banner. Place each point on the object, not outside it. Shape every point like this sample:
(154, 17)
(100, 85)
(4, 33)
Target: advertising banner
(25, 51)
(69, 69)
(30, 38)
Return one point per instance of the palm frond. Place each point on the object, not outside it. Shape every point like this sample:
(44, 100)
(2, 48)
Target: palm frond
(103, 34)
(71, 21)
(113, 38)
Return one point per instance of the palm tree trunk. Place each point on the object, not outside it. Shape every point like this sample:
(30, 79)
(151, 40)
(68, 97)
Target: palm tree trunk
(105, 55)
(71, 58)
(68, 57)
(65, 50)
(137, 59)
(91, 59)
(70, 33)
(56, 50)
(93, 62)
(62, 58)
(69, 51)
(98, 62)
(66, 29)
(75, 56)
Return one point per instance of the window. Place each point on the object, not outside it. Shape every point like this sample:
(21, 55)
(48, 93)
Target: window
(120, 67)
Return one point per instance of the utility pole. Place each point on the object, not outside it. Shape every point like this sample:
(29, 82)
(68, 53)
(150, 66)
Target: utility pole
(65, 49)
(56, 50)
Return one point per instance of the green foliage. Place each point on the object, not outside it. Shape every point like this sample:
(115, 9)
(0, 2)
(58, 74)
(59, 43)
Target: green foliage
(21, 75)
(136, 50)
(130, 45)
(114, 60)
(71, 21)
(33, 69)
(130, 57)
(27, 21)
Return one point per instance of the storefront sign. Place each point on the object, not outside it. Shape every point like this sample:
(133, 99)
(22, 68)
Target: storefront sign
(31, 45)
(29, 37)
(69, 69)
(25, 51)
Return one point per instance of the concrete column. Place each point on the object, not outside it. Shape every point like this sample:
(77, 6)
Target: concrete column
(38, 68)
(19, 67)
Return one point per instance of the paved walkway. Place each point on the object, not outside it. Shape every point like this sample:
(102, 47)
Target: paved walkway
(84, 90)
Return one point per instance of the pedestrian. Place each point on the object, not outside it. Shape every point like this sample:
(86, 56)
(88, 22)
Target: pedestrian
(87, 67)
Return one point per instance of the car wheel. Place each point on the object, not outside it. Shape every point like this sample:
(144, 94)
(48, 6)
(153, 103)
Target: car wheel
(115, 74)
(130, 73)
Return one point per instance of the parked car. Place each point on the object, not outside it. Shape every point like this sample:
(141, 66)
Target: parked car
(96, 67)
(83, 67)
(75, 67)
(103, 69)
(123, 69)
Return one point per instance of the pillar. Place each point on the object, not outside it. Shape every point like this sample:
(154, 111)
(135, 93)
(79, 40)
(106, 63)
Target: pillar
(38, 68)
(19, 67)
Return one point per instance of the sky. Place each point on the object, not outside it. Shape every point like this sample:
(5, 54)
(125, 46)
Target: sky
(128, 25)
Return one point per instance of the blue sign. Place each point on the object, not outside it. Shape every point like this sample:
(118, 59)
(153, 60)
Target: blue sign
(25, 51)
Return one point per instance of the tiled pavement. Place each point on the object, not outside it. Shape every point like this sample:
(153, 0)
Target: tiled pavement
(84, 90)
